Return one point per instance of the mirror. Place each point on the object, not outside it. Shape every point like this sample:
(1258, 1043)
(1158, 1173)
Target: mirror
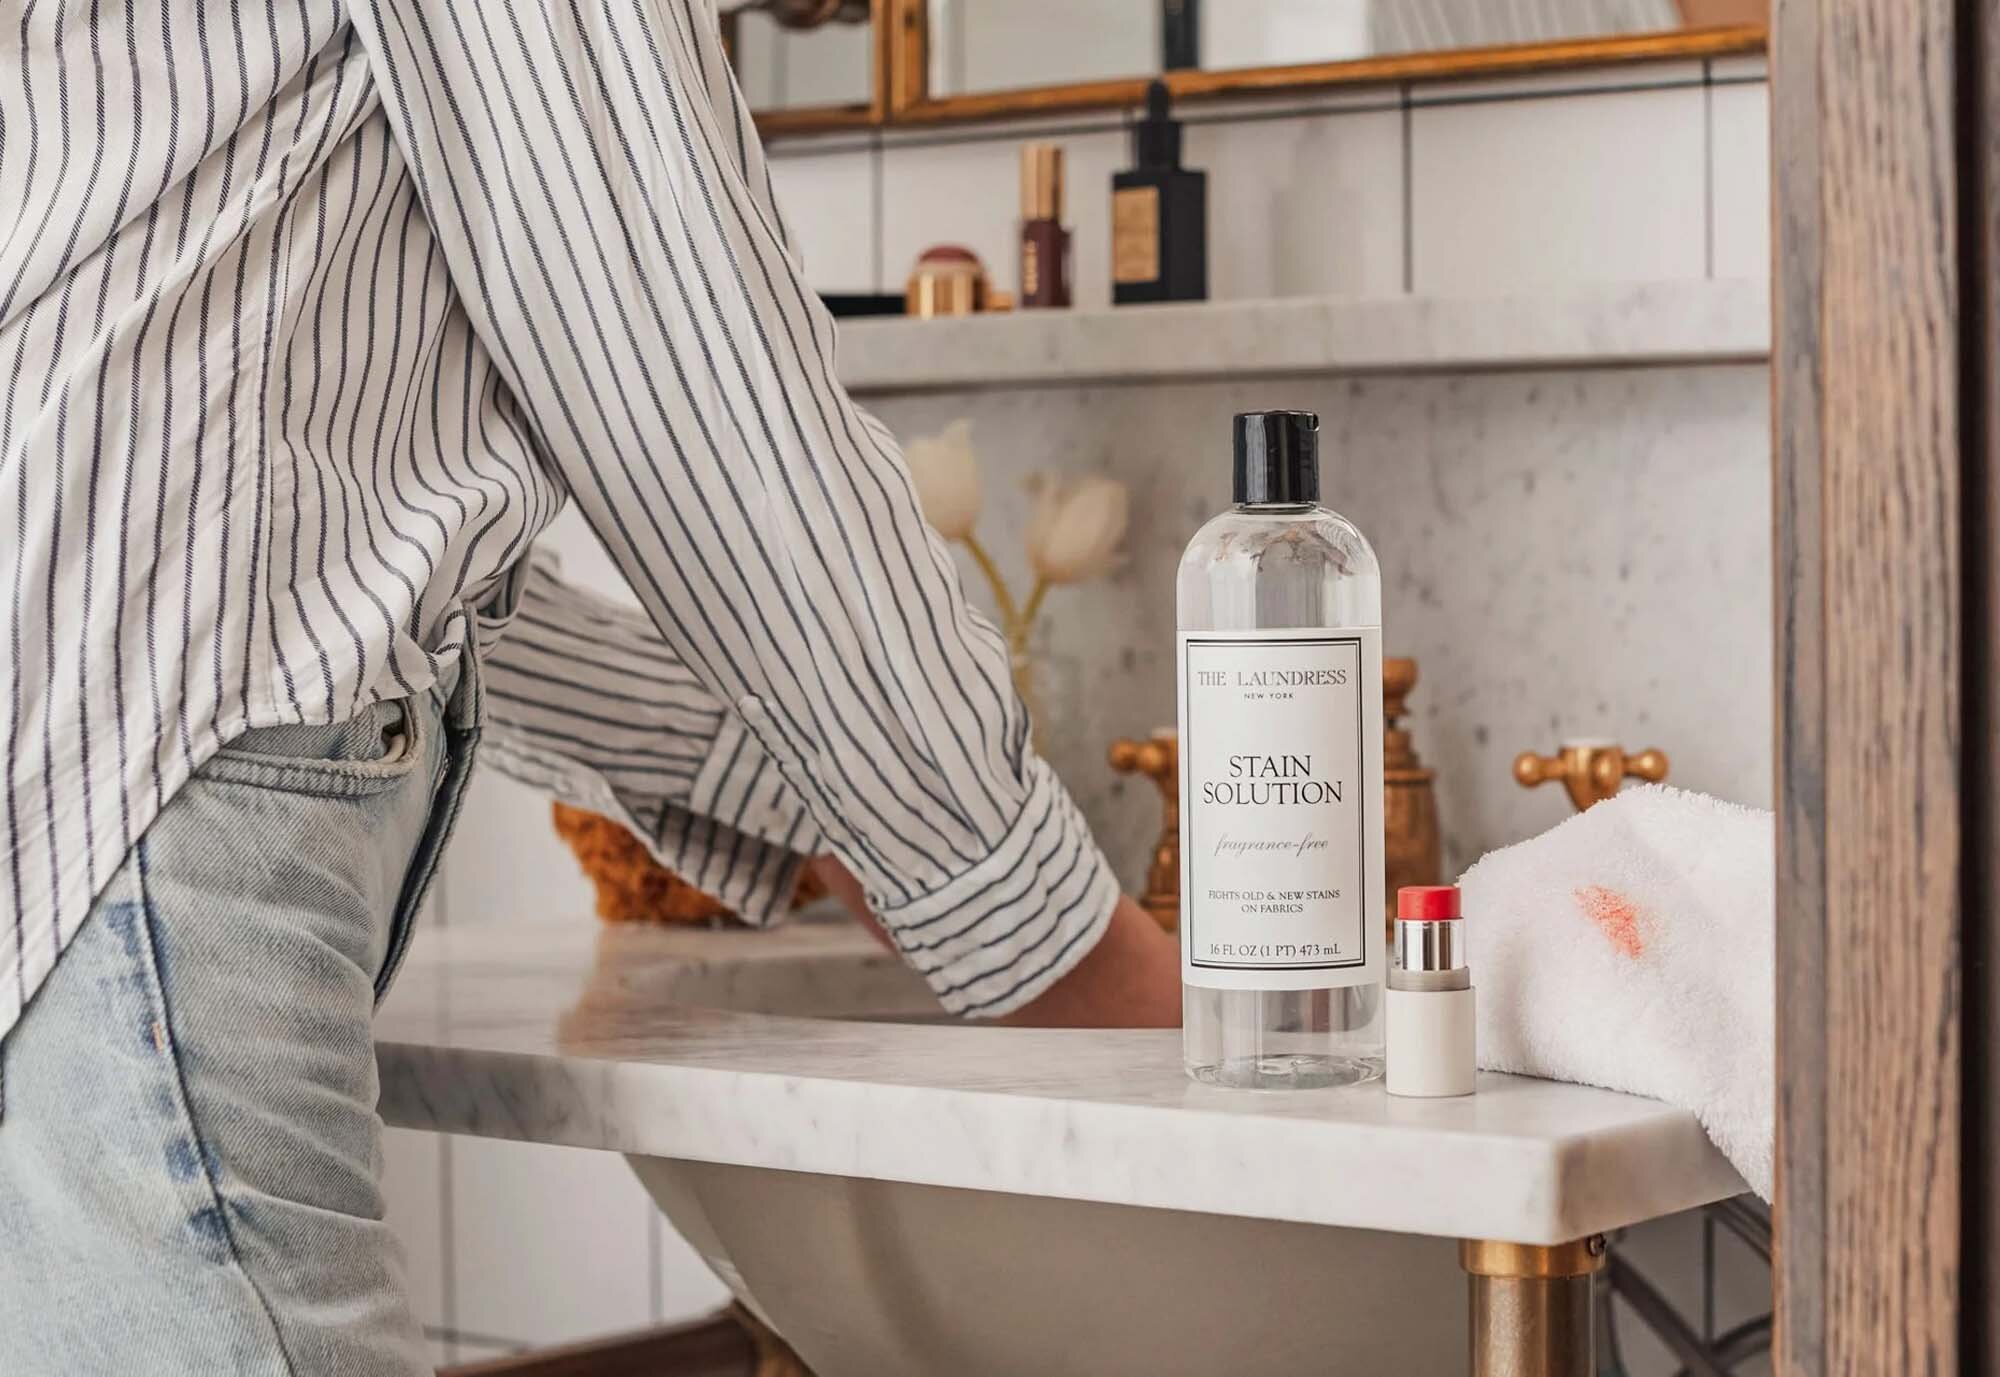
(802, 55)
(981, 46)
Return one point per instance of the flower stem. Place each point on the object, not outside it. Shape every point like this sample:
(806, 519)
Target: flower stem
(1010, 615)
(1034, 607)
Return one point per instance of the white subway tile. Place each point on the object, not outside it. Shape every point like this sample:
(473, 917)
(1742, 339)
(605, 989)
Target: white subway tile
(1560, 81)
(1741, 171)
(1308, 206)
(551, 1244)
(506, 864)
(412, 1185)
(1521, 195)
(828, 201)
(458, 1348)
(688, 1289)
(1747, 66)
(1372, 95)
(1013, 130)
(969, 193)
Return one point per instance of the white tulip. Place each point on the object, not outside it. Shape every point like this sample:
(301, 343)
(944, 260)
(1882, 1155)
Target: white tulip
(946, 474)
(1076, 528)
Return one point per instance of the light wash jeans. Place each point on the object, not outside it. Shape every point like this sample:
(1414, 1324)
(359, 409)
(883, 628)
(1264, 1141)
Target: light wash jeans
(189, 1149)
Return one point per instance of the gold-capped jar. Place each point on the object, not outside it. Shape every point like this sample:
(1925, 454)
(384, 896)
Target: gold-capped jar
(949, 280)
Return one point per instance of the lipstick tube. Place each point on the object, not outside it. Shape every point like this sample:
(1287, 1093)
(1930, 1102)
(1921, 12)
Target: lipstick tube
(1429, 1003)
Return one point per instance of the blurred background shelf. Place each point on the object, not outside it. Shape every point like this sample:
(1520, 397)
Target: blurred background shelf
(1585, 326)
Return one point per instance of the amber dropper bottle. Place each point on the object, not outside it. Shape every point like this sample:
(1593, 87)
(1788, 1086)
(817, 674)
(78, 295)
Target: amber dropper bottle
(1044, 241)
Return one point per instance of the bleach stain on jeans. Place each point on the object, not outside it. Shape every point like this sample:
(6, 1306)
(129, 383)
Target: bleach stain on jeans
(186, 1161)
(182, 1160)
(208, 1225)
(123, 919)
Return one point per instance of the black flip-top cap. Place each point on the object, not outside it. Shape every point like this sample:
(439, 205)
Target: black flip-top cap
(1277, 457)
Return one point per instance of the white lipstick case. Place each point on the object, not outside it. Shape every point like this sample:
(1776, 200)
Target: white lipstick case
(1431, 1027)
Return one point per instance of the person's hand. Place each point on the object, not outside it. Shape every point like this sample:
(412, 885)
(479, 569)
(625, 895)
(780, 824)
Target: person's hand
(1130, 979)
(842, 885)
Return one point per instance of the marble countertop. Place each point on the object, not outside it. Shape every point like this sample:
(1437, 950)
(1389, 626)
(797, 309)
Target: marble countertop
(1586, 325)
(663, 1043)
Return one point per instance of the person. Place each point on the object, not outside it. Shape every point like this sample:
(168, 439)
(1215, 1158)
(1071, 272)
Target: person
(312, 315)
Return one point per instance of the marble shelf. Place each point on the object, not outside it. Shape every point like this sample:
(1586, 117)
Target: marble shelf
(1612, 325)
(649, 1041)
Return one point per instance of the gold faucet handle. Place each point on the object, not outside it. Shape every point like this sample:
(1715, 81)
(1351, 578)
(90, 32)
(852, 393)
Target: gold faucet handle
(1158, 758)
(1531, 769)
(1591, 771)
(1399, 677)
(1613, 767)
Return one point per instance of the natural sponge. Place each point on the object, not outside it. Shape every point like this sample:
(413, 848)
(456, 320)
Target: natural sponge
(631, 885)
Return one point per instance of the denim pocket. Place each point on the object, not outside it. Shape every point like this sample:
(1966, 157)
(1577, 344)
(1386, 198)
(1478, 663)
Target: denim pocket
(374, 751)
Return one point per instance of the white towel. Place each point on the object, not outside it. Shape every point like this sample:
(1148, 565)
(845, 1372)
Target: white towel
(1631, 948)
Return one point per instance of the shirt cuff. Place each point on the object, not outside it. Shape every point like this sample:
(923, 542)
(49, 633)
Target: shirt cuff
(997, 935)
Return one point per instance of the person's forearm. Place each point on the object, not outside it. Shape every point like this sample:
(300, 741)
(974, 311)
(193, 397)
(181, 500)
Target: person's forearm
(1130, 979)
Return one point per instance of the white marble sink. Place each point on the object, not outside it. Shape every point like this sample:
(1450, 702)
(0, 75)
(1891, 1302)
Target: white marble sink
(901, 1198)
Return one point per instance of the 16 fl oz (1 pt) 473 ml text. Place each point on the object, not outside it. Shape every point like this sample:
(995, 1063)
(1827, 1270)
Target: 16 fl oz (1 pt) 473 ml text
(1273, 951)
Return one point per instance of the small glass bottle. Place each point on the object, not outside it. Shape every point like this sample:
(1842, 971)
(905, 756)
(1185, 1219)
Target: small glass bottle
(1044, 239)
(1280, 667)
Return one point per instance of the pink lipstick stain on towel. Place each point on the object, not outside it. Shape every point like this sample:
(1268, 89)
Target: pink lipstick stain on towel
(1616, 916)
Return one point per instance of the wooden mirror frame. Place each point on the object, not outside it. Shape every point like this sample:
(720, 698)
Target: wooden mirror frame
(824, 119)
(902, 96)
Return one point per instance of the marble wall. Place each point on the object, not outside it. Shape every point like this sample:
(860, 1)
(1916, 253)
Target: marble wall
(1566, 555)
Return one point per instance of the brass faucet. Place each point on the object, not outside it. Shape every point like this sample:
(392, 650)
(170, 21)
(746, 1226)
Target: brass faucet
(1159, 759)
(1413, 850)
(1592, 771)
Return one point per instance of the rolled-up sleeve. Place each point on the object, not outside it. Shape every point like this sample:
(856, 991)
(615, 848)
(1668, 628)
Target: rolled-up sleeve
(593, 181)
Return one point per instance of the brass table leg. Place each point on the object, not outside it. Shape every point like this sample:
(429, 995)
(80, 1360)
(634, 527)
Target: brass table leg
(1531, 1312)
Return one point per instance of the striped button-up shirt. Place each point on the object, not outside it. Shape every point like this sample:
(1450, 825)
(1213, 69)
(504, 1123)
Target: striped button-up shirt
(313, 314)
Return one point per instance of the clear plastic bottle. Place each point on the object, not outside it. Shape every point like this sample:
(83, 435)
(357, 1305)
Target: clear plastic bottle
(1280, 663)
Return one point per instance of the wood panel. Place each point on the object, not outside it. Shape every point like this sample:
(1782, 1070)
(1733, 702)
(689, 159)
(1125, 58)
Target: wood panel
(913, 103)
(716, 1347)
(902, 94)
(1870, 450)
(1799, 1259)
(1979, 66)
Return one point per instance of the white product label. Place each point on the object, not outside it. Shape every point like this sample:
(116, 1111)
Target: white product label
(1281, 808)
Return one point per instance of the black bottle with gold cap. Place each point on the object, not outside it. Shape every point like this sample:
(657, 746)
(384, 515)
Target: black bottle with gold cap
(1159, 215)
